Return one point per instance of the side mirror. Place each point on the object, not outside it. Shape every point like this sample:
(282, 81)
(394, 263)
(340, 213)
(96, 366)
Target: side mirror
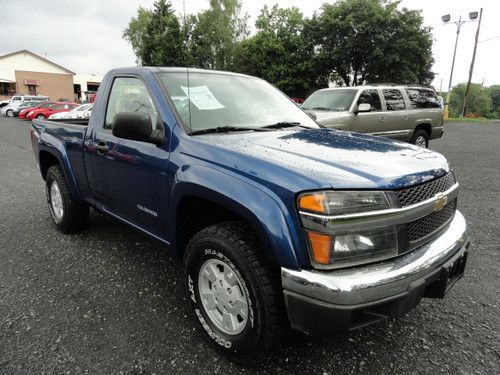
(136, 127)
(363, 107)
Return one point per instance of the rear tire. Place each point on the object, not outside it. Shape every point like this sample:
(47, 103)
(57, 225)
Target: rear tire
(239, 313)
(420, 138)
(10, 113)
(69, 215)
(40, 117)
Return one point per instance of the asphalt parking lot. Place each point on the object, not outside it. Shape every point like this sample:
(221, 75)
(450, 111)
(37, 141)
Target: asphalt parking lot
(110, 300)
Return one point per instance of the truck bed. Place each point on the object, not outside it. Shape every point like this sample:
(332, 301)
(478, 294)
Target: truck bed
(68, 135)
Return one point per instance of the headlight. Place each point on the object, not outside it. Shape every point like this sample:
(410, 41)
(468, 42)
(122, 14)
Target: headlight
(343, 202)
(343, 248)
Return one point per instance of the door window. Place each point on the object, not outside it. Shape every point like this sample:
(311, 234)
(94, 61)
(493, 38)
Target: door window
(394, 100)
(370, 97)
(421, 98)
(129, 95)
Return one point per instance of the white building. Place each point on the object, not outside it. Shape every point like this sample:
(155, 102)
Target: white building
(24, 72)
(85, 84)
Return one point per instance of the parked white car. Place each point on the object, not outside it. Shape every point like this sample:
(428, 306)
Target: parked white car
(14, 103)
(82, 111)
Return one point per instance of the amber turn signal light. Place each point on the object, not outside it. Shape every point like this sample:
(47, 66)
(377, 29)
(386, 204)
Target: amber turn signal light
(321, 245)
(314, 202)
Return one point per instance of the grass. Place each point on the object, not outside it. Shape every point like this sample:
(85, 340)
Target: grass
(466, 119)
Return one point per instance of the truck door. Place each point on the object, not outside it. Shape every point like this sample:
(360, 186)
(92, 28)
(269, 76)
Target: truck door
(369, 122)
(397, 123)
(130, 177)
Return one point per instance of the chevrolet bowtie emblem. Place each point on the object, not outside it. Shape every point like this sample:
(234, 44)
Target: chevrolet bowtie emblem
(441, 201)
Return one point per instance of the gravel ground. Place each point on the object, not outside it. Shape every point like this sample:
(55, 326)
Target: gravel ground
(110, 300)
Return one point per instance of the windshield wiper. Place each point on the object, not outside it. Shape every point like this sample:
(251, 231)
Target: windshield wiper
(226, 129)
(319, 108)
(285, 124)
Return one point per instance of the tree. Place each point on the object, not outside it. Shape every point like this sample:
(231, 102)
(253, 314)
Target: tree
(478, 104)
(494, 94)
(279, 53)
(137, 30)
(156, 36)
(214, 34)
(369, 41)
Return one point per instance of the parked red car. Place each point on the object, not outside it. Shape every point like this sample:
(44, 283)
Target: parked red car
(22, 114)
(46, 112)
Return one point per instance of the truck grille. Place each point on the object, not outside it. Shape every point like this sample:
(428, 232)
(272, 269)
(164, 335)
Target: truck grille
(429, 224)
(426, 190)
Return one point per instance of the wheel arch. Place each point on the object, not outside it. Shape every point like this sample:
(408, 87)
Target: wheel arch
(425, 127)
(200, 206)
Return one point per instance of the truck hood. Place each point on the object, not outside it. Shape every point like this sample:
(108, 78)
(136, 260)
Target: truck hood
(322, 115)
(320, 158)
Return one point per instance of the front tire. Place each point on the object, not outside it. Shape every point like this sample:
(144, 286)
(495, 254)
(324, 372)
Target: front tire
(231, 290)
(69, 215)
(41, 117)
(420, 138)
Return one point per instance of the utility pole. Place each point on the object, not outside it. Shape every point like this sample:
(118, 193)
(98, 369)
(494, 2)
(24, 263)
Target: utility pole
(459, 25)
(446, 18)
(464, 107)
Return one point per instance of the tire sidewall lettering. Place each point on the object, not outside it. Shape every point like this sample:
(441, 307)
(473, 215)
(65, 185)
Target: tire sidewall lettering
(192, 285)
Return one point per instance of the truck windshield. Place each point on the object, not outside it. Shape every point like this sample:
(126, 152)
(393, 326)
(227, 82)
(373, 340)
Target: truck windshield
(330, 100)
(225, 101)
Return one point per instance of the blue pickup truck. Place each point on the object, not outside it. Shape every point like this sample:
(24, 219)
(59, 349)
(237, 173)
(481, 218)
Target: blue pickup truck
(279, 221)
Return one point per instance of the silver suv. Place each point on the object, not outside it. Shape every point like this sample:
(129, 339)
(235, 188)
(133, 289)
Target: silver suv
(409, 113)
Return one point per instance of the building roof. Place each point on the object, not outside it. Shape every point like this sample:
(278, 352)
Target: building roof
(37, 57)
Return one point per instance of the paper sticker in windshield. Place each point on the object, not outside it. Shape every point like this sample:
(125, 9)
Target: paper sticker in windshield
(202, 98)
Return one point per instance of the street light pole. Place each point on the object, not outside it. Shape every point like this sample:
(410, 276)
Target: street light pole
(446, 18)
(459, 24)
(466, 97)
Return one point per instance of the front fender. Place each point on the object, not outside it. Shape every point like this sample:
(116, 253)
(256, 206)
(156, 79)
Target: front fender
(275, 225)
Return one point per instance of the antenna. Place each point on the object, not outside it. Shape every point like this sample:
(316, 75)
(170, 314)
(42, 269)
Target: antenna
(189, 99)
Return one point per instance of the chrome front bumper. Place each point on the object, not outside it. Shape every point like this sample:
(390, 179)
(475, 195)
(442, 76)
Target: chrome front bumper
(382, 280)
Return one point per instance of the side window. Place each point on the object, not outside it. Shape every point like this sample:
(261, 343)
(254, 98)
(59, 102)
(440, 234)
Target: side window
(129, 95)
(421, 98)
(394, 99)
(370, 97)
(58, 107)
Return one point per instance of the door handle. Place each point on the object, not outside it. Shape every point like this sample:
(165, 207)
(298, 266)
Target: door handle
(102, 147)
(381, 118)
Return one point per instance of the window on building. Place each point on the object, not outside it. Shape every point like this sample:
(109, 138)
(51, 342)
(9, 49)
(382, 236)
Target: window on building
(32, 89)
(4, 88)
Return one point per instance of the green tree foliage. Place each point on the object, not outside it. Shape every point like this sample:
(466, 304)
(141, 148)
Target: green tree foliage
(360, 41)
(279, 53)
(351, 42)
(214, 34)
(494, 94)
(137, 30)
(478, 104)
(156, 36)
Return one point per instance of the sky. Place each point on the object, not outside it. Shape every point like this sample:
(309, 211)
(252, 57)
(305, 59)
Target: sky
(86, 36)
